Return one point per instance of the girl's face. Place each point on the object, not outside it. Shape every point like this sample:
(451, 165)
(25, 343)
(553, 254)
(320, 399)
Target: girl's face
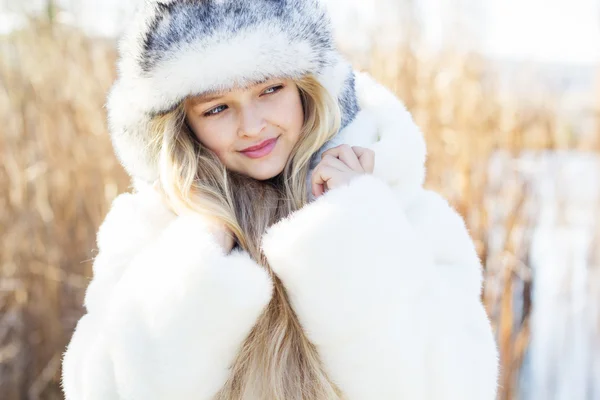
(252, 130)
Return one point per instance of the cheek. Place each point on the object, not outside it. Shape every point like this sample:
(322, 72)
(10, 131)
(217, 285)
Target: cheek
(298, 117)
(216, 136)
(292, 116)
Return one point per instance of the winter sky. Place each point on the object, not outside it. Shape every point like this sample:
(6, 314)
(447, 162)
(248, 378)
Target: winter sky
(546, 30)
(564, 31)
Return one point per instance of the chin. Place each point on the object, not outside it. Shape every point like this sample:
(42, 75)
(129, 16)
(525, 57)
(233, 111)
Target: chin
(264, 175)
(266, 171)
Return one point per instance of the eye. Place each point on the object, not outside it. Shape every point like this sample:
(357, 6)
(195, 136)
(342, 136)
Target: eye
(273, 89)
(215, 111)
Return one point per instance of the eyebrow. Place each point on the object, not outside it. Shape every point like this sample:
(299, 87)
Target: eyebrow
(206, 98)
(210, 96)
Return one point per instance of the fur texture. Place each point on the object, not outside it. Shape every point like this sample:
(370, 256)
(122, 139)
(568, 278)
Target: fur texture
(393, 314)
(178, 48)
(167, 310)
(382, 274)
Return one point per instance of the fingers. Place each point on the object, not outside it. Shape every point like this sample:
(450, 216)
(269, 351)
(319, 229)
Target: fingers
(339, 165)
(328, 168)
(366, 158)
(345, 153)
(336, 163)
(321, 176)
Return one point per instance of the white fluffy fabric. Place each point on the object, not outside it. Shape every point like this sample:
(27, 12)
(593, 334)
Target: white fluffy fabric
(385, 126)
(167, 310)
(370, 289)
(382, 274)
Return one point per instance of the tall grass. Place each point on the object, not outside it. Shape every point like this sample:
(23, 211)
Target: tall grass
(58, 176)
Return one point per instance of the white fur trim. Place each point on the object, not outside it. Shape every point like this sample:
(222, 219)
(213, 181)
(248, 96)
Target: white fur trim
(223, 63)
(171, 324)
(369, 294)
(385, 126)
(400, 151)
(133, 222)
(444, 231)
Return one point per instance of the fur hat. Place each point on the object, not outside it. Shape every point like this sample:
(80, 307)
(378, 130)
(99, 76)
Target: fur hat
(177, 48)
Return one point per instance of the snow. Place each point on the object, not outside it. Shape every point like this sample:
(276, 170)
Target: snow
(563, 207)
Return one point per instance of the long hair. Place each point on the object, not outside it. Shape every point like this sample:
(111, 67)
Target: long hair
(276, 361)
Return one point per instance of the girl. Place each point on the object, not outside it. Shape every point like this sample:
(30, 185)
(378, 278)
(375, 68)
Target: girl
(279, 243)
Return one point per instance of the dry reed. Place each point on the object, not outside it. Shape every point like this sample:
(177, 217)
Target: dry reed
(58, 177)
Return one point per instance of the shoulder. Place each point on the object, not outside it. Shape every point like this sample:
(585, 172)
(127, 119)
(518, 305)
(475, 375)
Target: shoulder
(133, 221)
(133, 216)
(432, 206)
(433, 216)
(445, 233)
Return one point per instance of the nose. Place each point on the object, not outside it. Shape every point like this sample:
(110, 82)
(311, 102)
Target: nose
(251, 122)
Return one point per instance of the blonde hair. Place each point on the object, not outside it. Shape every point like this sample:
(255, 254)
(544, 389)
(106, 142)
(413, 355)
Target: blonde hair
(276, 361)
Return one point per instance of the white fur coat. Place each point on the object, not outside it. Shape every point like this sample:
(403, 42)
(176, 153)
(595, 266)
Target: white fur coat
(382, 274)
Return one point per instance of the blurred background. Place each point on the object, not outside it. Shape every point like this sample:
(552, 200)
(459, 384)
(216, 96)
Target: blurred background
(507, 93)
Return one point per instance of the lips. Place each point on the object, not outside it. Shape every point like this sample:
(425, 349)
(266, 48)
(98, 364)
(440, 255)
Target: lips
(261, 149)
(260, 145)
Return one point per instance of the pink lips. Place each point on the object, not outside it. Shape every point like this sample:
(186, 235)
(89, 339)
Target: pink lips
(261, 149)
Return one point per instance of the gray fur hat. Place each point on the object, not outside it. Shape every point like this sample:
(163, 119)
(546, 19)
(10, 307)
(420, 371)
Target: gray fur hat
(177, 48)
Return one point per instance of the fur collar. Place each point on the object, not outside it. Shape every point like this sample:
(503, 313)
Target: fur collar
(384, 125)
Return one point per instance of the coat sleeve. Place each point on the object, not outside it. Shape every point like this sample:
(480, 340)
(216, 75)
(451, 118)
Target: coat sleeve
(393, 315)
(167, 310)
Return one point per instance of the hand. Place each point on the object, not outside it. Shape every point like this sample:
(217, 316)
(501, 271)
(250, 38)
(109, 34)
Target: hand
(339, 166)
(222, 234)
